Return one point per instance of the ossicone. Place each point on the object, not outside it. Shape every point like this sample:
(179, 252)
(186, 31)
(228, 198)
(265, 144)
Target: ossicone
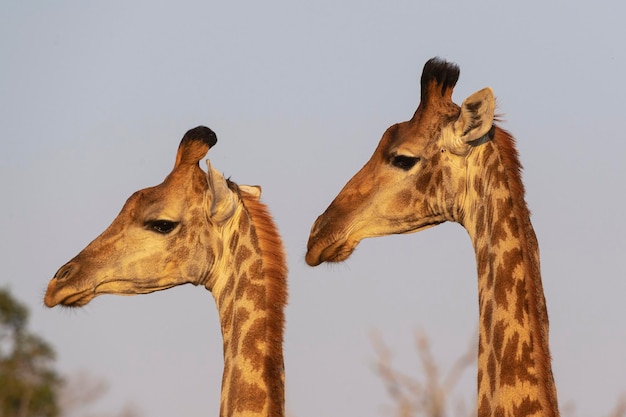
(438, 80)
(195, 145)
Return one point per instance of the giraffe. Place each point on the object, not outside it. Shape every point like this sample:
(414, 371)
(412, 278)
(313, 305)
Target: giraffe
(198, 227)
(451, 163)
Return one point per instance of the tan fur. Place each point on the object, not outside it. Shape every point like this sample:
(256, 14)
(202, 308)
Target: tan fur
(275, 278)
(452, 163)
(199, 228)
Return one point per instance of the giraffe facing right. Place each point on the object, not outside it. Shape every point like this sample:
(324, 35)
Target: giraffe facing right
(451, 163)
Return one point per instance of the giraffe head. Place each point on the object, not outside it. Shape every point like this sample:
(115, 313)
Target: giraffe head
(164, 236)
(416, 177)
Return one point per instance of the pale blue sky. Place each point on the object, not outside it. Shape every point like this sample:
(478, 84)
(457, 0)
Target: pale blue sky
(94, 98)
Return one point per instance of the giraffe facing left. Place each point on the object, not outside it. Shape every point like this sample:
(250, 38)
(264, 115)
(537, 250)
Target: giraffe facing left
(199, 228)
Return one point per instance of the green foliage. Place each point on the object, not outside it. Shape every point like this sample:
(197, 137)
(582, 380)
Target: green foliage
(28, 383)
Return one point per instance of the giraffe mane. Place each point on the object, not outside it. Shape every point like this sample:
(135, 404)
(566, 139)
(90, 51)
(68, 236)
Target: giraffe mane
(505, 144)
(275, 273)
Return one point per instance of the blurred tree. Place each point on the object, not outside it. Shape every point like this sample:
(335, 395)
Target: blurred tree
(28, 382)
(80, 393)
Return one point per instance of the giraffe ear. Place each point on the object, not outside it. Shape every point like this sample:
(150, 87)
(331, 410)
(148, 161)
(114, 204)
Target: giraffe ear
(476, 119)
(221, 201)
(253, 190)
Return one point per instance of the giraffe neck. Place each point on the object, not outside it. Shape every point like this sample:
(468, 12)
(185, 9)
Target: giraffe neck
(250, 302)
(514, 372)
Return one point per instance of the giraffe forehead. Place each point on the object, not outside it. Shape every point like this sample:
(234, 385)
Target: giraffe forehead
(419, 133)
(168, 200)
(152, 203)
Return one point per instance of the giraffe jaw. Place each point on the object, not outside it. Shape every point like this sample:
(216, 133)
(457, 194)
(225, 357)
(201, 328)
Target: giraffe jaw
(69, 296)
(340, 249)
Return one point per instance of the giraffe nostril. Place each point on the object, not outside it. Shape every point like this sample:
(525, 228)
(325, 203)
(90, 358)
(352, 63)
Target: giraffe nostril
(65, 271)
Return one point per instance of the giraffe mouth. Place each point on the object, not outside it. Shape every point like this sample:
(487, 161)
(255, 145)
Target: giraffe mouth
(337, 251)
(77, 300)
(67, 297)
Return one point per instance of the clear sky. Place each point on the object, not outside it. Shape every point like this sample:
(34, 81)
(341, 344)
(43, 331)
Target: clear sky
(95, 96)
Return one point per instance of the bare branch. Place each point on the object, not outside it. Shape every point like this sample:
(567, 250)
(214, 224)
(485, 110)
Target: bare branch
(413, 397)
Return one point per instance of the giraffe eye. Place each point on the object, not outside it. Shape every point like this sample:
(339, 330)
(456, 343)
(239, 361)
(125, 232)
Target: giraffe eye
(404, 162)
(161, 226)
